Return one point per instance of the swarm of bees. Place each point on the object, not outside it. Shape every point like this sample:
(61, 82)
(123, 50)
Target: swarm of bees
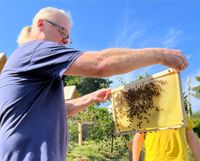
(138, 101)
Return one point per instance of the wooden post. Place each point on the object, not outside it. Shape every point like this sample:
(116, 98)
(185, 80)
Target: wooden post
(82, 130)
(3, 60)
(80, 133)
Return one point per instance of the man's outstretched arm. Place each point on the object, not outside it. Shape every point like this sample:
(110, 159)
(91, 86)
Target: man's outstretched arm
(76, 105)
(114, 61)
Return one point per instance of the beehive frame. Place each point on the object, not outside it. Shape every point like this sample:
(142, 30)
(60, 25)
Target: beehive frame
(170, 101)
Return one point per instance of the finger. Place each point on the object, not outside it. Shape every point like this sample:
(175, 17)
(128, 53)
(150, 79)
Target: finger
(180, 66)
(107, 96)
(183, 59)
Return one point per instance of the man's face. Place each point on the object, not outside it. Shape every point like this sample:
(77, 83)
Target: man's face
(59, 30)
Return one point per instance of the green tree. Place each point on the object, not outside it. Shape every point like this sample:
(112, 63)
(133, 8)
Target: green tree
(196, 121)
(196, 89)
(71, 80)
(87, 85)
(187, 105)
(103, 131)
(83, 86)
(142, 76)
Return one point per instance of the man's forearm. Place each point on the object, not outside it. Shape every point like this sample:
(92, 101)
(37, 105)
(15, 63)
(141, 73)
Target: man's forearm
(76, 105)
(126, 60)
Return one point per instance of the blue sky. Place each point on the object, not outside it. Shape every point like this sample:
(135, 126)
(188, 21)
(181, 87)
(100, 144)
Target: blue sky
(102, 24)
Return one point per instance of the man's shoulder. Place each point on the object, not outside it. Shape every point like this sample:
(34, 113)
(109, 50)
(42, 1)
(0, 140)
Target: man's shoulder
(47, 48)
(40, 43)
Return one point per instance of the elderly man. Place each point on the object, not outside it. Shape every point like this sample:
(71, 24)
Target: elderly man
(33, 112)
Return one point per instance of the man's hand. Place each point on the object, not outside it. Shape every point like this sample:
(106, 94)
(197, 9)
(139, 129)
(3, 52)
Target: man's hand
(76, 105)
(101, 95)
(173, 59)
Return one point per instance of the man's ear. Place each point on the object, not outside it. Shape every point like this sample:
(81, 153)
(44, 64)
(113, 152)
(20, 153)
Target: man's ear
(40, 25)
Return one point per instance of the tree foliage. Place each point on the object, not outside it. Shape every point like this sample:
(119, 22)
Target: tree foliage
(86, 85)
(196, 121)
(103, 127)
(102, 130)
(187, 105)
(196, 89)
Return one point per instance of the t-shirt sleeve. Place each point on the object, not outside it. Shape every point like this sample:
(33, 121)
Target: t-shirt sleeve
(51, 59)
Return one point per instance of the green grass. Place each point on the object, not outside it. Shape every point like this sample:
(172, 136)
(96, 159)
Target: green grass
(90, 150)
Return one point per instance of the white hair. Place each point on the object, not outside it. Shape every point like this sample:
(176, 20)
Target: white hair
(50, 13)
(24, 35)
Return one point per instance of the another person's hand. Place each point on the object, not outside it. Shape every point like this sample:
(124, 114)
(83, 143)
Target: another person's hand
(101, 95)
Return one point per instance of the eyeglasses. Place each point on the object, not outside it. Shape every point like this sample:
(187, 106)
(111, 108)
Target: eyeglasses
(63, 32)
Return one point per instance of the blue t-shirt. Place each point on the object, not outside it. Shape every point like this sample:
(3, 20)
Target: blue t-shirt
(33, 122)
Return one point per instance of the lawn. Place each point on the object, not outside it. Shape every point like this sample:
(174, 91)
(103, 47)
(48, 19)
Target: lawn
(91, 151)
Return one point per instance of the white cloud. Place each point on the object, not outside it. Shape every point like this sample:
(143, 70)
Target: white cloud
(129, 35)
(189, 56)
(172, 38)
(129, 31)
